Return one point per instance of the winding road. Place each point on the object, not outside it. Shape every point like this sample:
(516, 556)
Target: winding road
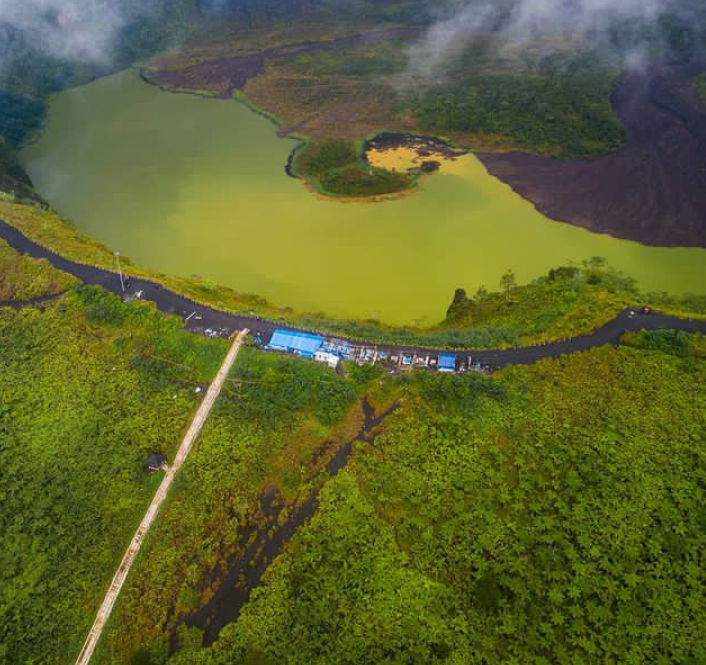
(229, 598)
(172, 303)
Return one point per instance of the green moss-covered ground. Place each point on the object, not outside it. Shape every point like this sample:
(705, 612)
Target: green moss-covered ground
(88, 388)
(261, 440)
(552, 514)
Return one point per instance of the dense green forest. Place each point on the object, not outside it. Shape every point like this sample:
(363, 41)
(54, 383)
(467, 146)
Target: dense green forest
(20, 116)
(336, 167)
(551, 514)
(568, 114)
(90, 387)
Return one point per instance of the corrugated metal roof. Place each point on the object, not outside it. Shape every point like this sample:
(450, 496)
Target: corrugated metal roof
(287, 340)
(447, 361)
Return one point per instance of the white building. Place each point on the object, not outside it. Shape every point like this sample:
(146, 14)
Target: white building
(331, 359)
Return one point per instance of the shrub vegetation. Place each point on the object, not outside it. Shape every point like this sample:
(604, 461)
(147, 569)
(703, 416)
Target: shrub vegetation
(335, 167)
(90, 387)
(548, 515)
(263, 442)
(567, 115)
(23, 278)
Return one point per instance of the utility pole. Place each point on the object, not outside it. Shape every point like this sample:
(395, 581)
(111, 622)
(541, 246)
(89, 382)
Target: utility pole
(120, 272)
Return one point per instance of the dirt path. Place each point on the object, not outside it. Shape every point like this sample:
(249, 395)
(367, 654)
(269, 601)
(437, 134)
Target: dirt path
(184, 449)
(172, 303)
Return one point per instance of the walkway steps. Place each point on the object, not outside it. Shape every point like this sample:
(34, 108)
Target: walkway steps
(184, 449)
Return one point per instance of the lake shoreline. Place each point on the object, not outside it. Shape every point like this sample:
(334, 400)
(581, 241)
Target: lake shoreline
(175, 304)
(215, 204)
(651, 191)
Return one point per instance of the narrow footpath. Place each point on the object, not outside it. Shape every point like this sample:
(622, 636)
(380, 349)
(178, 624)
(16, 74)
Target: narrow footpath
(172, 303)
(187, 444)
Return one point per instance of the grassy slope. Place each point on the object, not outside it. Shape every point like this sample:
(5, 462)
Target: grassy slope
(260, 438)
(23, 278)
(486, 97)
(549, 515)
(563, 303)
(89, 388)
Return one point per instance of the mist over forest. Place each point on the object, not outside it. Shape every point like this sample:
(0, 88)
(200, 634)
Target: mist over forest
(49, 45)
(99, 32)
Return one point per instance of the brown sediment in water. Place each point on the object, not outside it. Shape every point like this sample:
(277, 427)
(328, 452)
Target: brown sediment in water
(653, 190)
(414, 149)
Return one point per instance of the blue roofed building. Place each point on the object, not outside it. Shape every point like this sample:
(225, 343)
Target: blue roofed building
(297, 343)
(447, 362)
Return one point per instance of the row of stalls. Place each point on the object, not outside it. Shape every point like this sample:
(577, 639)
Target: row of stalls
(331, 351)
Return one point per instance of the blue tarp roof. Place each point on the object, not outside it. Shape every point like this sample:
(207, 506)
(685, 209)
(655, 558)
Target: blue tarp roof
(447, 361)
(286, 340)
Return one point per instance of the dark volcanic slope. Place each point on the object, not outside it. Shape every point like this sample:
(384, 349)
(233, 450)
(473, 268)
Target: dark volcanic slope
(652, 190)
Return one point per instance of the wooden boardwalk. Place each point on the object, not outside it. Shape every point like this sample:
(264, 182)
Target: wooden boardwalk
(184, 449)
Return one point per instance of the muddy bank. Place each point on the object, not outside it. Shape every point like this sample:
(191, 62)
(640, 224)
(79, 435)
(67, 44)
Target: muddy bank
(424, 146)
(244, 573)
(653, 190)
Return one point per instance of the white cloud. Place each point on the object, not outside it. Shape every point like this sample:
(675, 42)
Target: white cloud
(520, 21)
(82, 30)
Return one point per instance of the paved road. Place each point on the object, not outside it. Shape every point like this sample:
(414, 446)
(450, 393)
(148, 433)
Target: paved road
(184, 449)
(173, 303)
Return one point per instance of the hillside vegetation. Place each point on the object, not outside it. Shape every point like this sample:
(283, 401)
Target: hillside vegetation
(550, 94)
(23, 278)
(274, 426)
(561, 114)
(548, 515)
(90, 387)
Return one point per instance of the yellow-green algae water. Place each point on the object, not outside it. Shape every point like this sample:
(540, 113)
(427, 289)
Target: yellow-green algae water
(189, 185)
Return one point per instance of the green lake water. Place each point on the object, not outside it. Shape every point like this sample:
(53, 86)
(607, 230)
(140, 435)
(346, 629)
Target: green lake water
(189, 185)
